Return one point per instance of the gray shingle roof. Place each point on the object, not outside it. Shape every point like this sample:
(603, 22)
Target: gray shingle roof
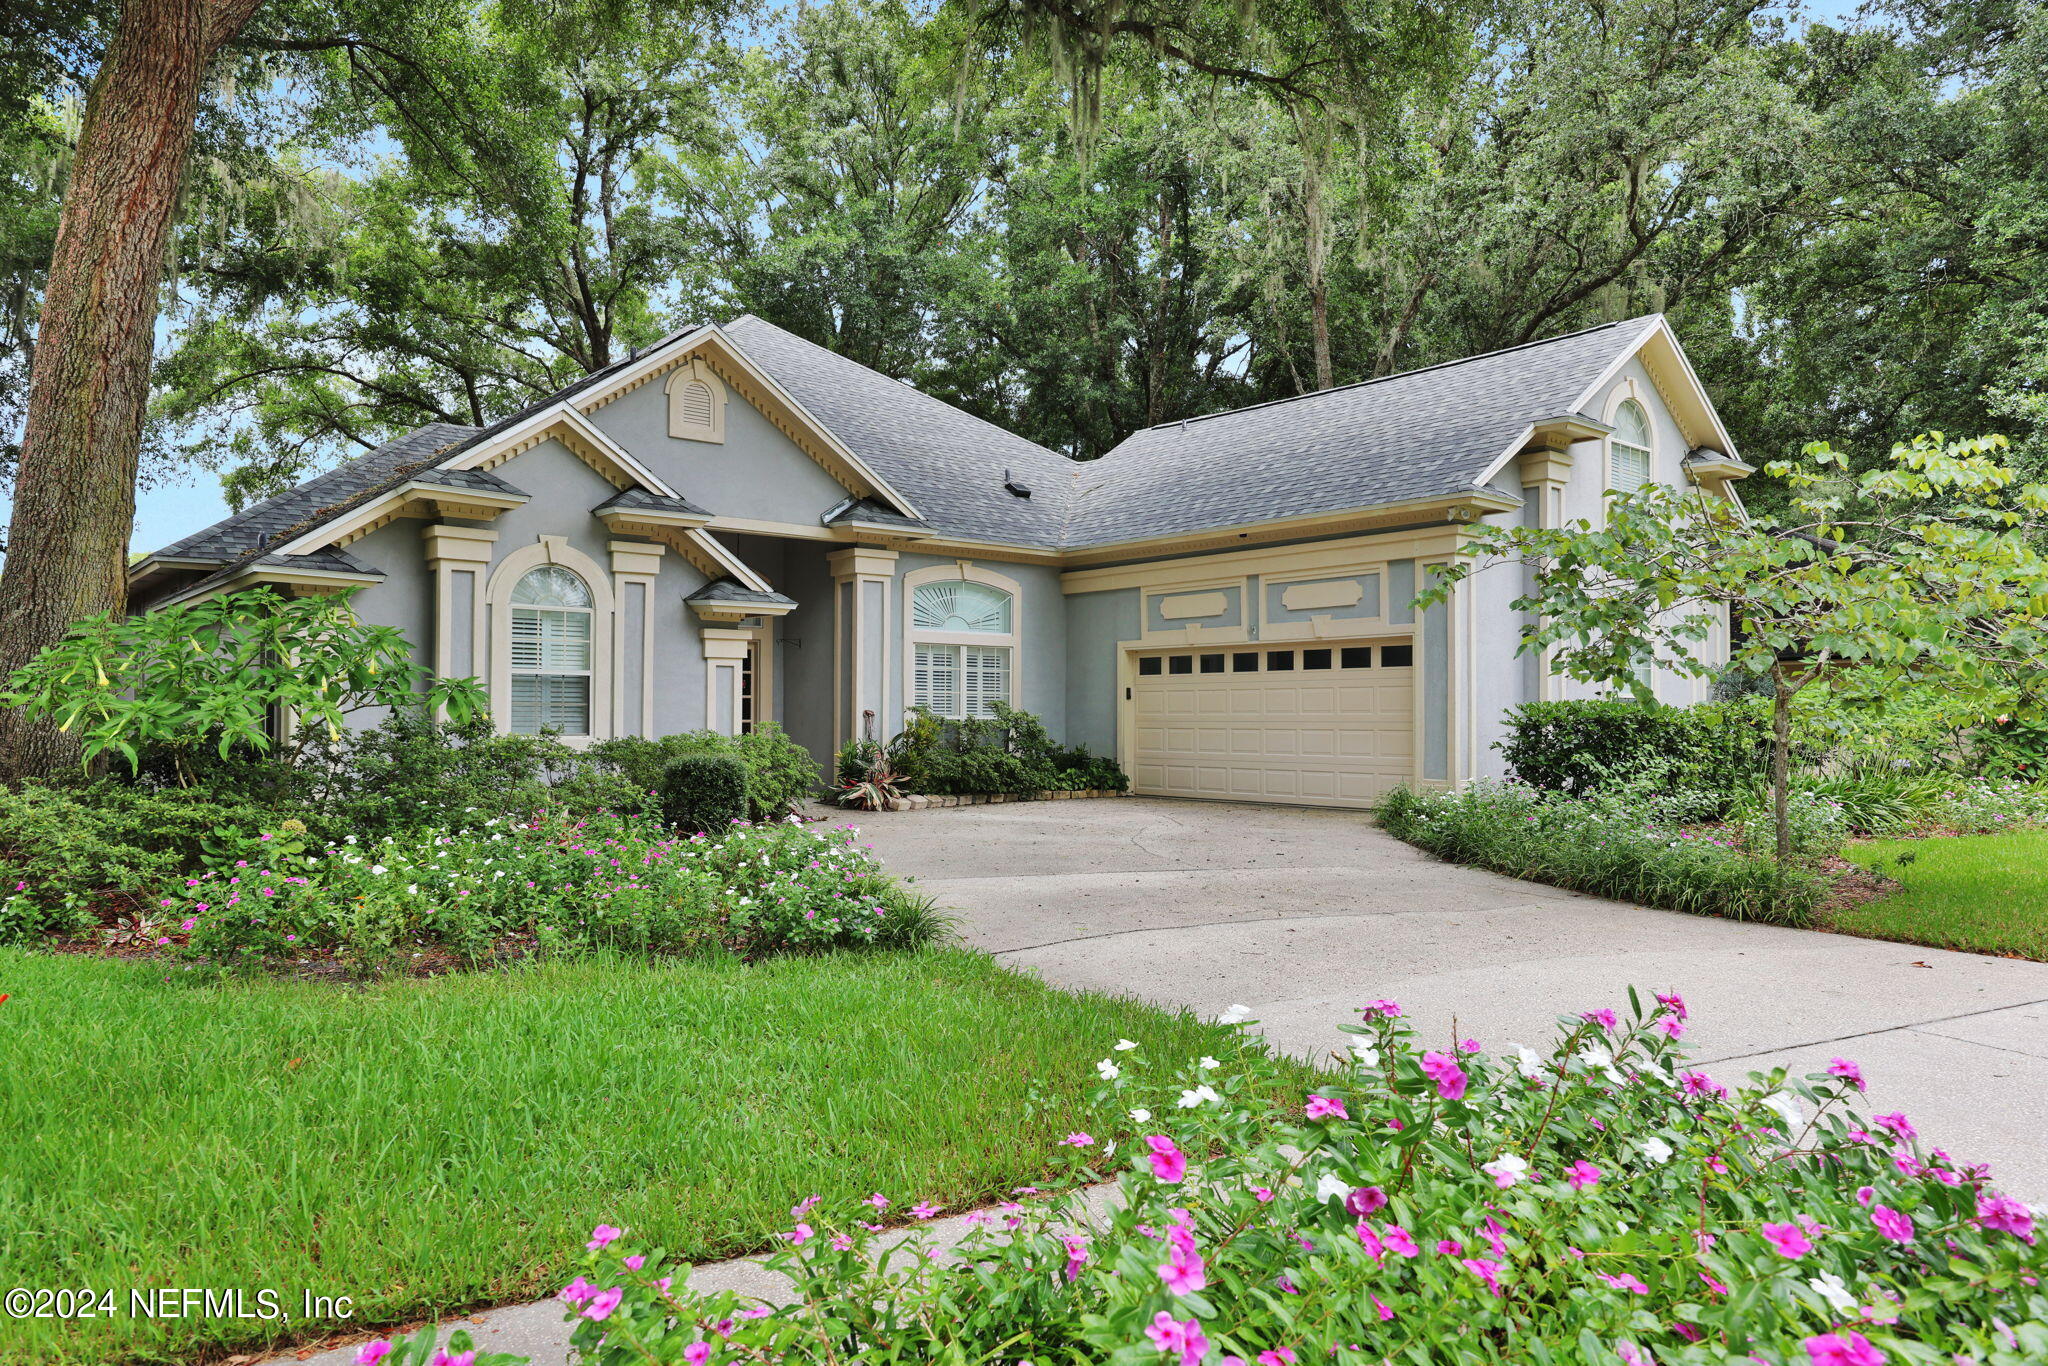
(732, 590)
(637, 497)
(481, 480)
(949, 464)
(1421, 434)
(236, 536)
(868, 512)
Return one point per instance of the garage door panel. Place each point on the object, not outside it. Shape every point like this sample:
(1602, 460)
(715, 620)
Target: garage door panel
(1341, 736)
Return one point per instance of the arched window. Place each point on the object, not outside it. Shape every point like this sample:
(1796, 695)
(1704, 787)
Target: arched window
(1628, 449)
(551, 652)
(963, 637)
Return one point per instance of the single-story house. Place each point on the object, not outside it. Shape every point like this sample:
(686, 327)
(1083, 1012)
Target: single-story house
(737, 525)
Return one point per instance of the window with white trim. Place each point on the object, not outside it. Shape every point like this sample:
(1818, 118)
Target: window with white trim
(951, 673)
(1628, 449)
(551, 652)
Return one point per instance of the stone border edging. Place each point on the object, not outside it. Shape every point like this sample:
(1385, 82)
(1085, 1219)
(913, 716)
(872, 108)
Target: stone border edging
(922, 802)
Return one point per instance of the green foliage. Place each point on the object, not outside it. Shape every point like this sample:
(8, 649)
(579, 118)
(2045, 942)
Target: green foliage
(1981, 894)
(2014, 744)
(1600, 848)
(214, 674)
(1008, 752)
(780, 773)
(1496, 1207)
(1577, 747)
(703, 792)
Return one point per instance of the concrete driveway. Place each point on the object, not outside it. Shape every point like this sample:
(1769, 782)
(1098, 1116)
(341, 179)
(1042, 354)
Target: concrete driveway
(1304, 914)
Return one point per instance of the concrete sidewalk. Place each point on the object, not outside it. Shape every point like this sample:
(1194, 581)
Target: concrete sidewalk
(1304, 914)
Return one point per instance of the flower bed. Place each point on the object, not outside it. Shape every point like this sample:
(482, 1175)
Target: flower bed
(924, 801)
(1602, 1203)
(551, 881)
(1601, 847)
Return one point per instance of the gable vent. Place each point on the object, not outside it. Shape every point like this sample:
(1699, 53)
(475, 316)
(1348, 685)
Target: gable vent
(694, 403)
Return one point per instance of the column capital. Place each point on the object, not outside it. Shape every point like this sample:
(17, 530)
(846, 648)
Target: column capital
(464, 544)
(862, 562)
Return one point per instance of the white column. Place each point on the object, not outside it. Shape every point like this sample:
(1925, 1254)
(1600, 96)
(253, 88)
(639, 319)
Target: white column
(458, 557)
(634, 566)
(725, 651)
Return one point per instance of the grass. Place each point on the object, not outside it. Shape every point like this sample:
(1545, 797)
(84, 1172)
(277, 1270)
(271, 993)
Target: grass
(429, 1146)
(1983, 893)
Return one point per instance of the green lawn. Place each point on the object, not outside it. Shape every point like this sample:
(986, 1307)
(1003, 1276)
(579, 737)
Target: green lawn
(432, 1145)
(1987, 893)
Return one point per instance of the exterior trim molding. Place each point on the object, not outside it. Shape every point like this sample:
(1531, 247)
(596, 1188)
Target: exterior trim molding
(858, 575)
(969, 572)
(680, 425)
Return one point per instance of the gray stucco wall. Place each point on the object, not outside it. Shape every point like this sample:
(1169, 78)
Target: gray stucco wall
(1096, 622)
(756, 473)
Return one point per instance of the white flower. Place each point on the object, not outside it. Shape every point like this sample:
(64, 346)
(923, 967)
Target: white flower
(377, 868)
(1528, 1062)
(1507, 1169)
(1201, 1095)
(1595, 1058)
(1125, 1045)
(1788, 1108)
(1834, 1290)
(1108, 1070)
(1208, 1064)
(1367, 1055)
(1235, 1015)
(1140, 1116)
(1655, 1149)
(1332, 1188)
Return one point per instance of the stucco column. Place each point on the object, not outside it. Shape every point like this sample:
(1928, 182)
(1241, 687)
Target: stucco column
(725, 652)
(860, 644)
(1545, 472)
(634, 566)
(458, 557)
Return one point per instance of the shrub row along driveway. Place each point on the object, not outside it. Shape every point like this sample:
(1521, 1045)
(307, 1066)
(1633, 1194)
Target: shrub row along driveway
(1304, 915)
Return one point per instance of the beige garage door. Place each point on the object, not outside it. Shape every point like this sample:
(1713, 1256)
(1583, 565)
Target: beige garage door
(1321, 725)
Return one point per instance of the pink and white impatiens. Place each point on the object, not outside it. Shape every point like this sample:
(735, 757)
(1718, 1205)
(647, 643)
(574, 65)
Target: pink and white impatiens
(1445, 1204)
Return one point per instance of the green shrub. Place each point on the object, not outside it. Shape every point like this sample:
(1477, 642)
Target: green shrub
(1604, 1202)
(1008, 752)
(1599, 848)
(780, 773)
(1584, 746)
(703, 792)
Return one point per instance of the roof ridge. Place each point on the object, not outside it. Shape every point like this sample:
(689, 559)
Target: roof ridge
(1402, 374)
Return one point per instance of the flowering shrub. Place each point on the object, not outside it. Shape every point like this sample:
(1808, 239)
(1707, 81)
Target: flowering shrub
(1605, 846)
(1603, 1203)
(550, 881)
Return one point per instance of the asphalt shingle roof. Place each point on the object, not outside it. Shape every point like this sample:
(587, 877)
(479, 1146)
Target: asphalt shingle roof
(1420, 434)
(637, 497)
(948, 463)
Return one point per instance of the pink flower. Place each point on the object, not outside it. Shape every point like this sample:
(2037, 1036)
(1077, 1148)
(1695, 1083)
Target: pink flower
(1712, 1284)
(2005, 1215)
(1449, 1247)
(1625, 1282)
(1169, 1335)
(1168, 1163)
(800, 1235)
(696, 1354)
(1897, 1122)
(1843, 1349)
(1847, 1071)
(1582, 1174)
(1468, 1046)
(601, 1235)
(1262, 1194)
(1077, 1140)
(1384, 1312)
(1788, 1240)
(1865, 1194)
(1324, 1107)
(1675, 1001)
(923, 1209)
(1700, 1084)
(1364, 1200)
(577, 1291)
(1399, 1241)
(1077, 1254)
(1486, 1269)
(1369, 1240)
(603, 1302)
(455, 1358)
(373, 1352)
(635, 1262)
(1892, 1224)
(1183, 1271)
(1672, 1029)
(1279, 1356)
(1604, 1018)
(1380, 1010)
(842, 1243)
(878, 1200)
(1443, 1069)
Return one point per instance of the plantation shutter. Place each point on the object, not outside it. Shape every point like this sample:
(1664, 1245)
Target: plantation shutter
(935, 681)
(984, 679)
(551, 655)
(1629, 448)
(557, 701)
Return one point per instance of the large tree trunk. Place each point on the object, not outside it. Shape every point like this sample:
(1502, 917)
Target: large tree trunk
(74, 496)
(1318, 243)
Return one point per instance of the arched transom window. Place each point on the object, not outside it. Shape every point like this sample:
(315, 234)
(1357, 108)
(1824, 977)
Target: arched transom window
(551, 654)
(1628, 458)
(963, 636)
